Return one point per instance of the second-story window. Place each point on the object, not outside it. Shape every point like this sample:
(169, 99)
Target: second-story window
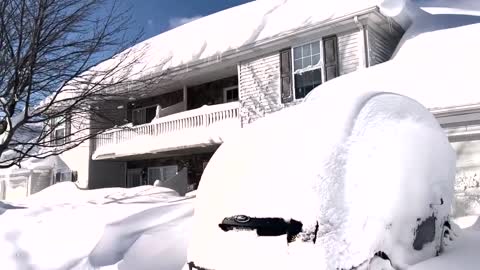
(302, 68)
(307, 68)
(61, 130)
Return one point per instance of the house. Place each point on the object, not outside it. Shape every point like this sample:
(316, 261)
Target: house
(226, 71)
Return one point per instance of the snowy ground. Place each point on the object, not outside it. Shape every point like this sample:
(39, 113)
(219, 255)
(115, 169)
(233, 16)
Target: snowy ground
(62, 227)
(463, 253)
(147, 227)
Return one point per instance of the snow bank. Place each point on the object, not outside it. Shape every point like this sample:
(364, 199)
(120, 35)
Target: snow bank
(366, 176)
(63, 227)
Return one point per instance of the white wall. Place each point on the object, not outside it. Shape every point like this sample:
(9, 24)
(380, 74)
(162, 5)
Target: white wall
(259, 87)
(467, 186)
(77, 159)
(349, 51)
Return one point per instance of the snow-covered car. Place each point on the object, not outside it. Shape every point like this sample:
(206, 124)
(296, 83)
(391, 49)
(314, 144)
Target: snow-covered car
(370, 188)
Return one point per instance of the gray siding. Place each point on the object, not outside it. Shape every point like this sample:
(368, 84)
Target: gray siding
(259, 87)
(381, 45)
(349, 48)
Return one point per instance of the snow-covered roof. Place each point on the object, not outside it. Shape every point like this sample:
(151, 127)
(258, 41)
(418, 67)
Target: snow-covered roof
(229, 31)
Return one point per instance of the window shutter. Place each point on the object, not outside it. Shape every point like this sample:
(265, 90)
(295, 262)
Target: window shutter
(286, 75)
(330, 51)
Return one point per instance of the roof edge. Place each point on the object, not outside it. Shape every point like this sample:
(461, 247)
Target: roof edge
(269, 42)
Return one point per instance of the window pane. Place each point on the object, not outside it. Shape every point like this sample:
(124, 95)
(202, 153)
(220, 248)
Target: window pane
(306, 82)
(316, 48)
(235, 95)
(154, 173)
(297, 64)
(139, 116)
(306, 50)
(169, 172)
(317, 77)
(231, 95)
(59, 136)
(316, 59)
(307, 62)
(297, 53)
(150, 114)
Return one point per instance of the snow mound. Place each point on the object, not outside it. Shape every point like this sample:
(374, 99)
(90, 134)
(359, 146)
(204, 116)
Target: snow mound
(63, 227)
(367, 177)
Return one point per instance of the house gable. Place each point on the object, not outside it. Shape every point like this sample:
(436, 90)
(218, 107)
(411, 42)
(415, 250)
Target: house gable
(268, 83)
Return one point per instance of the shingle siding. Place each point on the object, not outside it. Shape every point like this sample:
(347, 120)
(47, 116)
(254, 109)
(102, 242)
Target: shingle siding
(349, 51)
(381, 45)
(259, 87)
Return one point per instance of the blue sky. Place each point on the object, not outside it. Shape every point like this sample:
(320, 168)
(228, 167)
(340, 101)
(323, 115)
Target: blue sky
(157, 16)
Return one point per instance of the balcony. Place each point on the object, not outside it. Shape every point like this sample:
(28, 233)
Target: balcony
(193, 129)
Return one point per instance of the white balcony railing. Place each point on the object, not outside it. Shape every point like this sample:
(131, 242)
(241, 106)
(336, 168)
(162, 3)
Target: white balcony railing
(199, 118)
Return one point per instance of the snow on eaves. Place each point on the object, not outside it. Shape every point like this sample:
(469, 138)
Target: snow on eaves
(231, 30)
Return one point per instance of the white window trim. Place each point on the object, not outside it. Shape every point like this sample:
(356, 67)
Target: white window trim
(321, 65)
(226, 89)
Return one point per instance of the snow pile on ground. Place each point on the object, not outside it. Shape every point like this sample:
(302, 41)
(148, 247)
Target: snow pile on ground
(62, 227)
(367, 177)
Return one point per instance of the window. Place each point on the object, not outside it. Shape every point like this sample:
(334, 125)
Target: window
(302, 68)
(63, 176)
(144, 115)
(230, 94)
(162, 173)
(307, 68)
(134, 177)
(61, 130)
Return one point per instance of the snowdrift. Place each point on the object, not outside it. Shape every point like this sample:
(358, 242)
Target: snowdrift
(63, 227)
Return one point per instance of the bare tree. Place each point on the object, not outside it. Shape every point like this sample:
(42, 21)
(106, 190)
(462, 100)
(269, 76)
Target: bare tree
(59, 60)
